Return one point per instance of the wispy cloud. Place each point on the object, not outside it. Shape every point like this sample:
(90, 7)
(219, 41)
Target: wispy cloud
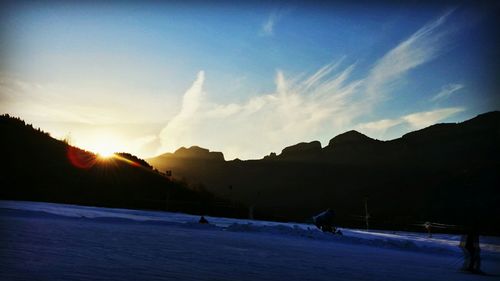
(314, 106)
(295, 111)
(75, 103)
(419, 48)
(446, 91)
(91, 117)
(414, 121)
(267, 27)
(180, 128)
(380, 127)
(427, 118)
(300, 108)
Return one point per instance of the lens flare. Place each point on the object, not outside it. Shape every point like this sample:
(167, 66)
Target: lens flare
(80, 158)
(103, 150)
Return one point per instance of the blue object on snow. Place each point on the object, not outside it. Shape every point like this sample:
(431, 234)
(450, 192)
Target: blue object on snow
(324, 220)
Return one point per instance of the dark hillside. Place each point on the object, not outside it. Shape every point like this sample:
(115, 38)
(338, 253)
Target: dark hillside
(40, 168)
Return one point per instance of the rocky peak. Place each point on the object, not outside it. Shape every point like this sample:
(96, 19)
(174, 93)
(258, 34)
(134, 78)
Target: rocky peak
(349, 138)
(197, 152)
(303, 147)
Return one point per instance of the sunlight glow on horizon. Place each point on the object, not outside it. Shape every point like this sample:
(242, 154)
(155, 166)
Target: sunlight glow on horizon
(104, 145)
(105, 154)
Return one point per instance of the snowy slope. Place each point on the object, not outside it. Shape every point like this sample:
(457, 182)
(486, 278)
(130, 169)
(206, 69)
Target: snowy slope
(44, 241)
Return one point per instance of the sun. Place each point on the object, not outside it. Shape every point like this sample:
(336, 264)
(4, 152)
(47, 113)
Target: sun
(105, 154)
(105, 144)
(104, 150)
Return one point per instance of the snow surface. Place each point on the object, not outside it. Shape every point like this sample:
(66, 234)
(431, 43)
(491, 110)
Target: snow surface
(46, 241)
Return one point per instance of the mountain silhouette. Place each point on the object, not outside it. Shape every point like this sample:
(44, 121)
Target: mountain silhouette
(195, 152)
(349, 138)
(446, 173)
(38, 167)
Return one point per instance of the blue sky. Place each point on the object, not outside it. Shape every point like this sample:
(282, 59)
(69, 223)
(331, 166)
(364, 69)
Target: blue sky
(245, 79)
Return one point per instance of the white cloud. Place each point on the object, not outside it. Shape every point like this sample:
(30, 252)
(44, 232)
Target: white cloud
(93, 118)
(53, 102)
(267, 27)
(419, 48)
(446, 91)
(379, 127)
(294, 112)
(414, 121)
(185, 121)
(423, 119)
(324, 71)
(318, 106)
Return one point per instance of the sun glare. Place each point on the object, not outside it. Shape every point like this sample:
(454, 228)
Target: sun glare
(104, 150)
(105, 154)
(103, 142)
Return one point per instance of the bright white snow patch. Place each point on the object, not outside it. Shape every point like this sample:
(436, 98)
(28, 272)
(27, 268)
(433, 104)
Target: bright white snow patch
(57, 241)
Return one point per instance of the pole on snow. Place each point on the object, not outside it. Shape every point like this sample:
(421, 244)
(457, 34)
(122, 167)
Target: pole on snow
(367, 215)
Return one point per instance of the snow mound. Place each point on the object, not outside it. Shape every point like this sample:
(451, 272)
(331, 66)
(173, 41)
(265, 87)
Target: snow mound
(444, 244)
(440, 243)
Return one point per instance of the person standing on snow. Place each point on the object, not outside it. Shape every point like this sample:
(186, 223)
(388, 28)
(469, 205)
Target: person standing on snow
(470, 247)
(203, 220)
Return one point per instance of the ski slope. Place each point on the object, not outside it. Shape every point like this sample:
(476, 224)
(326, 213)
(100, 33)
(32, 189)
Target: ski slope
(45, 241)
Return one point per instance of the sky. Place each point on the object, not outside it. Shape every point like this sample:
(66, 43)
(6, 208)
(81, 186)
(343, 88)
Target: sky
(246, 79)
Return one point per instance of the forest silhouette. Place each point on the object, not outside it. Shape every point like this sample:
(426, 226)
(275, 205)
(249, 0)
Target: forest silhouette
(38, 167)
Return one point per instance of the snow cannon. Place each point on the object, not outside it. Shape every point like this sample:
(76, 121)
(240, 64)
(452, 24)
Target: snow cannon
(324, 221)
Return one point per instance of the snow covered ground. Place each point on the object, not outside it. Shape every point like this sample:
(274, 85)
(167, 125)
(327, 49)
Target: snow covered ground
(45, 241)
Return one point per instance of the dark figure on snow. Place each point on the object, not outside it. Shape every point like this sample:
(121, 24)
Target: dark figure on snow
(428, 226)
(325, 220)
(470, 247)
(203, 220)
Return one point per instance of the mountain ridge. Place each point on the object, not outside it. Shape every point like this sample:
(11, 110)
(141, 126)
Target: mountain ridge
(422, 175)
(348, 138)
